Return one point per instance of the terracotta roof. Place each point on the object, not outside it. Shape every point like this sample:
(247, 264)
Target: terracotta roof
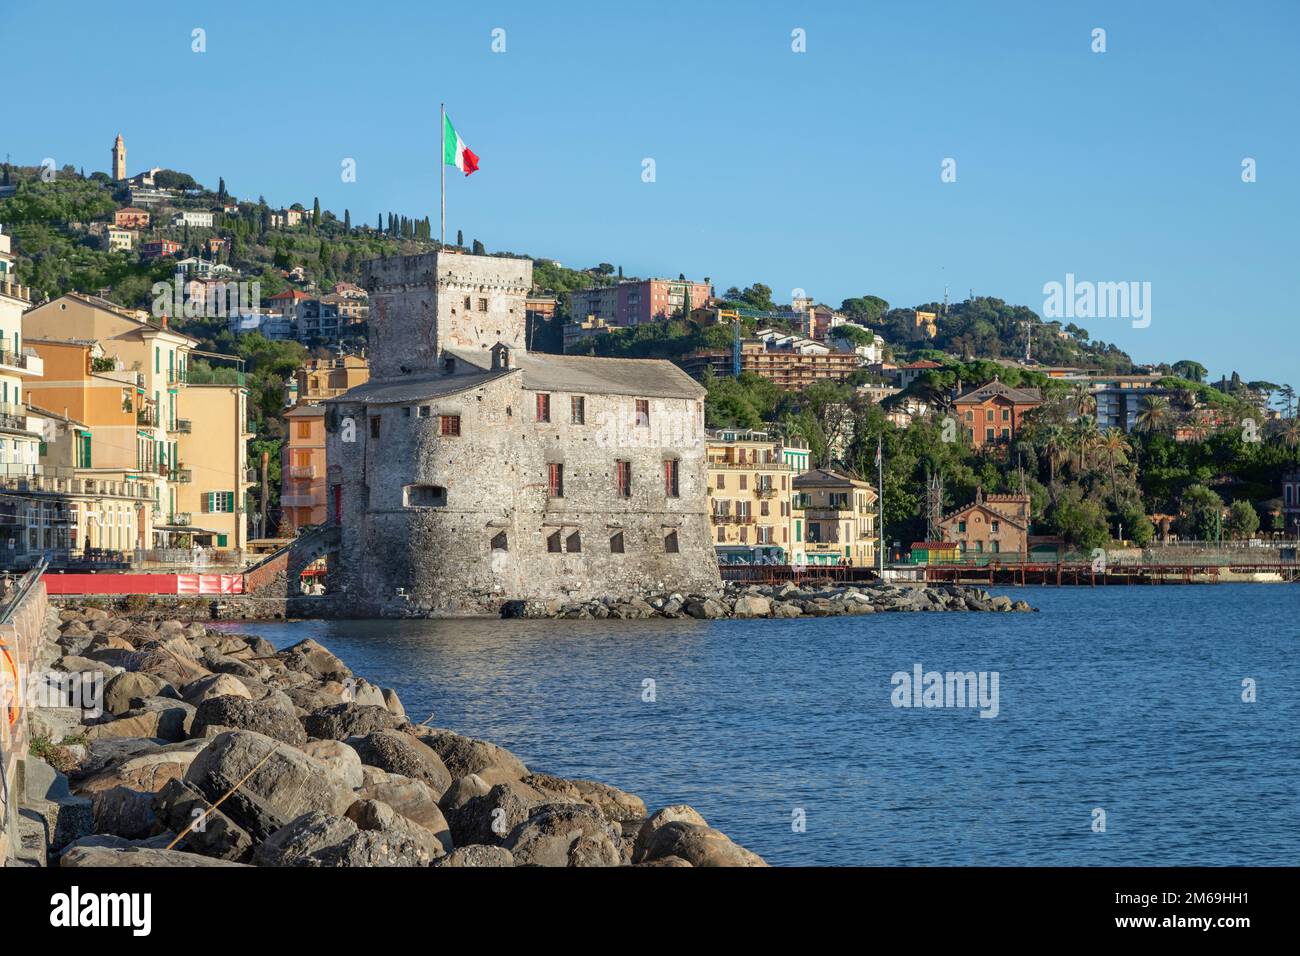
(996, 389)
(826, 478)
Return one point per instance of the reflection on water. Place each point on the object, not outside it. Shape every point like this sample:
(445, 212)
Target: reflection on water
(1127, 699)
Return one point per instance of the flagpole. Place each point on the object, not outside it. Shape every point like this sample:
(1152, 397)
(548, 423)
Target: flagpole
(880, 493)
(442, 166)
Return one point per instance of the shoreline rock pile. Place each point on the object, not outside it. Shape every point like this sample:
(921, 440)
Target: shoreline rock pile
(253, 756)
(786, 600)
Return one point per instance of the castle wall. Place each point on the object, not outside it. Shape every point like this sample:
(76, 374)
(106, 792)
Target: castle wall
(495, 479)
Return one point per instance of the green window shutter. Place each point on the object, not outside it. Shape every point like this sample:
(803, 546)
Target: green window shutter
(157, 360)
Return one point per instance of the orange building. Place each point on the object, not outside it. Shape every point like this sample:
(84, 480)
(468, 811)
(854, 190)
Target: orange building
(995, 412)
(303, 496)
(130, 217)
(993, 525)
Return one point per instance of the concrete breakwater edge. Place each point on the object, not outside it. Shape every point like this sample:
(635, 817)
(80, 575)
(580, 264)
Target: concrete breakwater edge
(163, 743)
(788, 600)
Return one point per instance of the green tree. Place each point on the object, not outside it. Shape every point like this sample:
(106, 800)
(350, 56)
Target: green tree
(1201, 515)
(1242, 520)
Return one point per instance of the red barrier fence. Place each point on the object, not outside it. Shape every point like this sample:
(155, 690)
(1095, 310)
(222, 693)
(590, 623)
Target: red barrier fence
(182, 584)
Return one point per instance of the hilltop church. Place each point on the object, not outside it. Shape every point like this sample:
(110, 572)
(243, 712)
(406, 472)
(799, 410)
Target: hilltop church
(469, 471)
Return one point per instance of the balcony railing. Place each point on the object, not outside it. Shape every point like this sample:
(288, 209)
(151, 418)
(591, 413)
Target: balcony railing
(181, 519)
(148, 417)
(27, 363)
(302, 471)
(750, 465)
(180, 426)
(733, 519)
(181, 475)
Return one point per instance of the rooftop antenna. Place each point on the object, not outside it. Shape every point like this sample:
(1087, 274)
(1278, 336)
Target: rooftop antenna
(735, 347)
(1029, 339)
(945, 300)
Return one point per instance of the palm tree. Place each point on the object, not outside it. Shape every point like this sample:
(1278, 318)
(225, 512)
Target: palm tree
(1154, 415)
(1114, 443)
(1085, 434)
(1055, 444)
(1083, 401)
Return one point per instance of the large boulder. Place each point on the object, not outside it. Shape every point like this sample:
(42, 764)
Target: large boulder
(465, 856)
(402, 753)
(340, 757)
(165, 722)
(752, 605)
(101, 856)
(490, 818)
(245, 714)
(147, 766)
(462, 791)
(285, 784)
(698, 845)
(413, 799)
(564, 835)
(466, 755)
(311, 658)
(614, 805)
(179, 806)
(218, 685)
(122, 688)
(376, 816)
(318, 839)
(341, 721)
(123, 812)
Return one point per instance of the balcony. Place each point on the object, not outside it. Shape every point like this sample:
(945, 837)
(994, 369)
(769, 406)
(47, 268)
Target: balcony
(181, 476)
(180, 426)
(13, 416)
(765, 492)
(181, 519)
(21, 363)
(749, 465)
(302, 501)
(13, 289)
(733, 519)
(302, 471)
(147, 418)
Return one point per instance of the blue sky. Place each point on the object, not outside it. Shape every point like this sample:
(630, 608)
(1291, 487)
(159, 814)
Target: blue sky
(816, 170)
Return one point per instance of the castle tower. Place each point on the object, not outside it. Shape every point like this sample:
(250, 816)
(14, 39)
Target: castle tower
(423, 304)
(119, 159)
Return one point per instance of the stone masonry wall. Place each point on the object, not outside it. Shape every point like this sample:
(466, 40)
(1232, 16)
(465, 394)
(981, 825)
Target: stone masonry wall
(417, 307)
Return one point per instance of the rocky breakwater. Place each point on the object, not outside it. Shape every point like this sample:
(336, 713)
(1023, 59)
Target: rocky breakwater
(776, 601)
(215, 749)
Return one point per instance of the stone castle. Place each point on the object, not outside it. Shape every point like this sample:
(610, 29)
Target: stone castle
(469, 471)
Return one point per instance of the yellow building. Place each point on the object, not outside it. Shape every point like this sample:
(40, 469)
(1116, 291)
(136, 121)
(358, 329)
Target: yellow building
(189, 441)
(750, 488)
(835, 518)
(212, 495)
(319, 379)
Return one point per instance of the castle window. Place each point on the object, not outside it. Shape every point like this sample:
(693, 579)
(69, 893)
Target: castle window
(616, 543)
(578, 410)
(573, 543)
(449, 425)
(671, 467)
(500, 542)
(424, 496)
(482, 305)
(554, 480)
(425, 411)
(553, 544)
(623, 478)
(466, 303)
(374, 426)
(670, 542)
(543, 407)
(406, 411)
(642, 413)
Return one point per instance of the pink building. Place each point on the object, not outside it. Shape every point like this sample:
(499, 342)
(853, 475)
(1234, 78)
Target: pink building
(639, 302)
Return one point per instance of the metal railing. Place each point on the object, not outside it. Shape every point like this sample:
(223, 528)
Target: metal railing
(147, 416)
(180, 426)
(13, 359)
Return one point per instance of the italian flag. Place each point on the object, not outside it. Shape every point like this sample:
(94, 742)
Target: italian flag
(454, 151)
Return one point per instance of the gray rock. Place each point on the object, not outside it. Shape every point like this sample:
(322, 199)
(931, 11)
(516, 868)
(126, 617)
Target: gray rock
(210, 832)
(465, 755)
(341, 721)
(245, 714)
(101, 856)
(564, 835)
(402, 753)
(286, 786)
(124, 812)
(698, 845)
(477, 856)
